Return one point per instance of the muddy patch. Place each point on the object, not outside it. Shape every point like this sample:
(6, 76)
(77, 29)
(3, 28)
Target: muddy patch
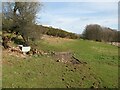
(67, 57)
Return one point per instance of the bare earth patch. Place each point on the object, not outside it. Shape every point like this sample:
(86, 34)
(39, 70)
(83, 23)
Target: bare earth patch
(67, 57)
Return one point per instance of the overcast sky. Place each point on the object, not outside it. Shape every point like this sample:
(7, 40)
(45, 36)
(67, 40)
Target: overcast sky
(74, 16)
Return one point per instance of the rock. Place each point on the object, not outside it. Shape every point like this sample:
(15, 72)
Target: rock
(105, 87)
(72, 80)
(94, 83)
(68, 86)
(92, 87)
(82, 78)
(72, 70)
(63, 73)
(58, 61)
(62, 79)
(75, 68)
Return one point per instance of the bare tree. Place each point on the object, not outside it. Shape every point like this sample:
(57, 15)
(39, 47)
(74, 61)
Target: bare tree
(93, 32)
(22, 15)
(98, 33)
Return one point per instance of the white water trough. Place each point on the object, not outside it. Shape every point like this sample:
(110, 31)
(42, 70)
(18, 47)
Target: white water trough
(24, 49)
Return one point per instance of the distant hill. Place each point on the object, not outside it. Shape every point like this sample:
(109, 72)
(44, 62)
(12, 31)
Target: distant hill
(57, 32)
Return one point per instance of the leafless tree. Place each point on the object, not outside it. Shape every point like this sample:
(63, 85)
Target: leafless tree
(21, 16)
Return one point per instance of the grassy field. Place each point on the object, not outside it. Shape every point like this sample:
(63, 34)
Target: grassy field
(101, 70)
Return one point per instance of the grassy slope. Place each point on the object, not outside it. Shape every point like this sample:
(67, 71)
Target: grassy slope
(43, 71)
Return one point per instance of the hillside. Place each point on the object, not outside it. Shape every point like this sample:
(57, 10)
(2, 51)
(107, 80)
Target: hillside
(97, 67)
(56, 32)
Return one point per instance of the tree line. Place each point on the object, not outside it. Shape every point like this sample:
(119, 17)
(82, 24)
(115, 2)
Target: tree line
(57, 32)
(98, 33)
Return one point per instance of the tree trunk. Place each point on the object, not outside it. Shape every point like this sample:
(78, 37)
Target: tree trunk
(26, 40)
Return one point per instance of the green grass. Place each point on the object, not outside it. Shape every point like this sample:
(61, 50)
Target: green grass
(45, 72)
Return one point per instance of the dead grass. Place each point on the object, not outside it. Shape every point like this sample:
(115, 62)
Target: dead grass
(55, 40)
